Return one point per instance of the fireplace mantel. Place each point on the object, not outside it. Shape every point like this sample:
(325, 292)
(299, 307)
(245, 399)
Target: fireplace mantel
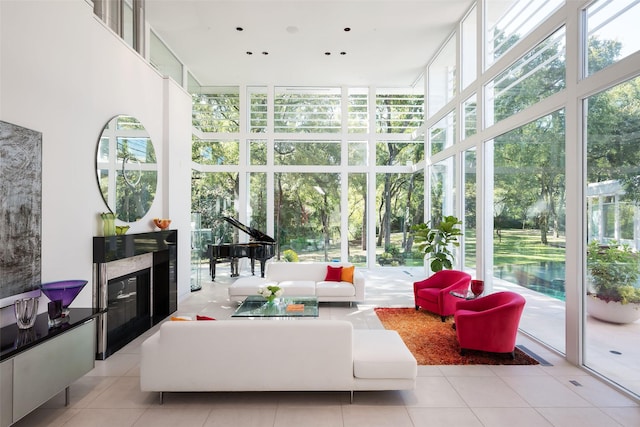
(115, 256)
(112, 248)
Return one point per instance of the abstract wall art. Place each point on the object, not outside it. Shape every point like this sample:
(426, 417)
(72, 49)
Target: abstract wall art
(20, 210)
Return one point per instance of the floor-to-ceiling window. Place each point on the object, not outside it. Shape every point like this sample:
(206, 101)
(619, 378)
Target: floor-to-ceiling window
(529, 222)
(613, 221)
(557, 77)
(289, 162)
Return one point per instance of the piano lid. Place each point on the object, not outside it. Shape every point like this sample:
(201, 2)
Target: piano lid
(257, 235)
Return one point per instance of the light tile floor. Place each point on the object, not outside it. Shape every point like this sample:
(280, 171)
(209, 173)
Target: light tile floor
(457, 396)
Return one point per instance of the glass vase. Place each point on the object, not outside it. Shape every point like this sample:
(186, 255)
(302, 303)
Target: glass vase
(108, 224)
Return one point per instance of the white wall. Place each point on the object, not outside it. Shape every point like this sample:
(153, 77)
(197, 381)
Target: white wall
(63, 73)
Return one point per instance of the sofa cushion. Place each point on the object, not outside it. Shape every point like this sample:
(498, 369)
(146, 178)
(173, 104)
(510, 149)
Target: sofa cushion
(381, 354)
(279, 271)
(299, 288)
(335, 289)
(248, 286)
(334, 274)
(347, 274)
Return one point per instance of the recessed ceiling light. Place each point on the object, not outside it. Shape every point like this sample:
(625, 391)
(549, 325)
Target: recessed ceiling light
(239, 29)
(347, 29)
(343, 53)
(249, 52)
(327, 53)
(265, 53)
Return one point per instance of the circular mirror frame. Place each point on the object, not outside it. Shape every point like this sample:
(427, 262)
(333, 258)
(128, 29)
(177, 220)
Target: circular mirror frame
(126, 168)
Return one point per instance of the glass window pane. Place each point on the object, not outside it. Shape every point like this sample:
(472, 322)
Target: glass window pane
(469, 48)
(357, 211)
(613, 196)
(358, 153)
(470, 208)
(358, 110)
(307, 215)
(399, 111)
(216, 109)
(163, 60)
(399, 153)
(215, 152)
(509, 21)
(535, 76)
(611, 32)
(257, 109)
(307, 152)
(442, 77)
(442, 134)
(529, 223)
(257, 206)
(213, 195)
(400, 205)
(443, 190)
(309, 110)
(257, 152)
(470, 117)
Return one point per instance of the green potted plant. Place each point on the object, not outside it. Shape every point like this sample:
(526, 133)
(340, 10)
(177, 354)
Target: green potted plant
(613, 272)
(438, 242)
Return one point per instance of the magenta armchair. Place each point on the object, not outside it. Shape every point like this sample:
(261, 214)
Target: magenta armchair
(432, 293)
(489, 323)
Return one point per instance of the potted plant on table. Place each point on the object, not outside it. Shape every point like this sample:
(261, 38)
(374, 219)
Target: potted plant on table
(613, 295)
(438, 243)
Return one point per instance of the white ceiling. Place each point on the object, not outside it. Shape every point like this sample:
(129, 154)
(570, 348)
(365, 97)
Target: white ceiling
(389, 44)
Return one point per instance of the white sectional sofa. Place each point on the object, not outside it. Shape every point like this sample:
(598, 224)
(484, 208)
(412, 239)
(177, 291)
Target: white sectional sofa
(302, 355)
(301, 279)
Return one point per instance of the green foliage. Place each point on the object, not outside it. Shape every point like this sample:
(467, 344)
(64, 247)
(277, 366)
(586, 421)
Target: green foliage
(290, 255)
(614, 271)
(438, 241)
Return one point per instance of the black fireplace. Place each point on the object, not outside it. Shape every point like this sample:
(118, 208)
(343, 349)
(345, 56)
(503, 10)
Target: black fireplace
(128, 309)
(135, 285)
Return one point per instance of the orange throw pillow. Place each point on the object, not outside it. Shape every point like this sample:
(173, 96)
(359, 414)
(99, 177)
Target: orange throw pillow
(334, 274)
(347, 273)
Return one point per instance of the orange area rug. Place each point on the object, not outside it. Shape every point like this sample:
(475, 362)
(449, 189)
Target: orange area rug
(434, 342)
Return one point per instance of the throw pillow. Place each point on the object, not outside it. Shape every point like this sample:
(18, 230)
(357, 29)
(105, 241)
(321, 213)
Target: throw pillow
(347, 273)
(180, 318)
(334, 274)
(199, 317)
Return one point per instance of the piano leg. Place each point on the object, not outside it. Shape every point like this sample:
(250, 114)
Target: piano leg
(234, 267)
(253, 263)
(262, 263)
(212, 268)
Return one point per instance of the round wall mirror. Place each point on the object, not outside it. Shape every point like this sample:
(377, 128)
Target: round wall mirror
(126, 168)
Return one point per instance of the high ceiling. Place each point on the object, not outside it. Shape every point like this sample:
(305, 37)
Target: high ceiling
(387, 44)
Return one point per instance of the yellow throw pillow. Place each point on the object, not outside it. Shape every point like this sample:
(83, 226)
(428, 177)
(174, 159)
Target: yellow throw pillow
(347, 273)
(180, 318)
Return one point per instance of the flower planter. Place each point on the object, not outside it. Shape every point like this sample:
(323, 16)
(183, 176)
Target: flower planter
(613, 311)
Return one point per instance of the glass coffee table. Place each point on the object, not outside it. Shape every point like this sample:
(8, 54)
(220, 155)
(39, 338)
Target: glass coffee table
(257, 306)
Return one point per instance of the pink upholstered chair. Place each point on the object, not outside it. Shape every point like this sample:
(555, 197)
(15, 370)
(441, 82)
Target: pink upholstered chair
(489, 323)
(432, 293)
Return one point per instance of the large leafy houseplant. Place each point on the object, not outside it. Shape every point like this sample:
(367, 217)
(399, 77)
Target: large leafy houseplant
(614, 272)
(438, 242)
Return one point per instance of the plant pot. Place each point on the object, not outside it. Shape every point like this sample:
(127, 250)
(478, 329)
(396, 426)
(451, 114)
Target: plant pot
(612, 311)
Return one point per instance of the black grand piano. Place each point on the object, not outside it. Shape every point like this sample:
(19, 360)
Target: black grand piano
(260, 247)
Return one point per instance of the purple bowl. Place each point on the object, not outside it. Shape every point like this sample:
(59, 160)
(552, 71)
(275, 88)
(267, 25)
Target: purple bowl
(65, 290)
